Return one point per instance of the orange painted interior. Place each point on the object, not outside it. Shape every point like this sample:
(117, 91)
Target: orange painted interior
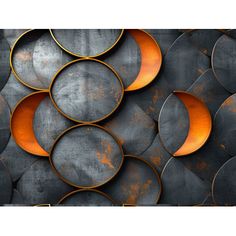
(22, 124)
(151, 59)
(200, 123)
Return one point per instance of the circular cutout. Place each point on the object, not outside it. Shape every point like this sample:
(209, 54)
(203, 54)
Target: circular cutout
(86, 90)
(22, 123)
(86, 156)
(200, 124)
(35, 58)
(86, 42)
(88, 197)
(137, 183)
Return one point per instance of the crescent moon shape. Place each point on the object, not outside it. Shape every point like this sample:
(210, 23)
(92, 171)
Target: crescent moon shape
(200, 123)
(22, 123)
(151, 59)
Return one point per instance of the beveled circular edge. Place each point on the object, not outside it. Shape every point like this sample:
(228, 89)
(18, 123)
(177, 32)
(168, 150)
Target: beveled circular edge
(84, 56)
(11, 61)
(79, 60)
(74, 127)
(206, 138)
(12, 114)
(155, 173)
(86, 190)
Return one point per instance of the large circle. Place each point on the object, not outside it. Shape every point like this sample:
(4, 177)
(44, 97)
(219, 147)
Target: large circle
(86, 42)
(86, 156)
(86, 90)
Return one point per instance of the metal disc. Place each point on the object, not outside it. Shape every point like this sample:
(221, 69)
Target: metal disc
(86, 42)
(40, 185)
(86, 90)
(137, 183)
(181, 186)
(11, 35)
(86, 156)
(35, 58)
(48, 124)
(86, 198)
(224, 185)
(17, 198)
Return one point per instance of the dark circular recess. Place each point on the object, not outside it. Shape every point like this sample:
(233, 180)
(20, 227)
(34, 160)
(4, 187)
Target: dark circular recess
(86, 156)
(224, 62)
(137, 183)
(225, 125)
(86, 42)
(48, 124)
(224, 185)
(86, 90)
(35, 58)
(88, 197)
(181, 186)
(5, 185)
(4, 61)
(5, 114)
(40, 185)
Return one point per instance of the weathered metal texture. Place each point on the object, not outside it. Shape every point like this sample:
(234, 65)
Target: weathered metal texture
(225, 125)
(40, 185)
(16, 159)
(17, 198)
(12, 35)
(86, 42)
(223, 60)
(86, 90)
(173, 123)
(137, 183)
(5, 185)
(134, 129)
(164, 37)
(35, 58)
(224, 185)
(156, 154)
(4, 123)
(14, 91)
(4, 60)
(86, 156)
(181, 186)
(48, 124)
(184, 63)
(87, 197)
(209, 90)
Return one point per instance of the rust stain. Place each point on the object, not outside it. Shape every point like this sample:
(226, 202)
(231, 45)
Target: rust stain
(24, 56)
(156, 160)
(222, 146)
(200, 71)
(202, 165)
(134, 190)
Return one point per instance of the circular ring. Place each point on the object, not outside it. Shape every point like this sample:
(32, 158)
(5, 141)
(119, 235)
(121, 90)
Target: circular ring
(91, 56)
(82, 60)
(97, 153)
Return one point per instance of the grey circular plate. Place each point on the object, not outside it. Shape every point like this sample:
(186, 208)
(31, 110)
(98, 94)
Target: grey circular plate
(137, 183)
(224, 185)
(86, 156)
(86, 42)
(36, 58)
(86, 198)
(86, 90)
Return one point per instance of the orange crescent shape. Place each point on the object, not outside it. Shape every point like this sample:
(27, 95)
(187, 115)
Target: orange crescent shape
(200, 123)
(151, 59)
(22, 123)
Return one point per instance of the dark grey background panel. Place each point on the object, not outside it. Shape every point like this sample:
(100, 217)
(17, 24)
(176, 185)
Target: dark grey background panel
(17, 198)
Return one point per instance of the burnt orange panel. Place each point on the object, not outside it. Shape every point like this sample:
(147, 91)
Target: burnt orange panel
(200, 123)
(22, 123)
(151, 59)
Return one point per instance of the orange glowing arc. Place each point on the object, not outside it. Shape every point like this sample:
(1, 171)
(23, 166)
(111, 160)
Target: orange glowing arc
(200, 123)
(22, 123)
(151, 59)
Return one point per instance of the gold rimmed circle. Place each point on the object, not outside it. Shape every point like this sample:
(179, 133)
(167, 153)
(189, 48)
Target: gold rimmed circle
(91, 56)
(81, 60)
(78, 126)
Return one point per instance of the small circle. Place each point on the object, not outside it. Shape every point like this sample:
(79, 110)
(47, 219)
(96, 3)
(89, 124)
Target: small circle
(86, 156)
(86, 90)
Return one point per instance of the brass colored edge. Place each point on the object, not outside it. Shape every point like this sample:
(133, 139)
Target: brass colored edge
(84, 56)
(74, 127)
(79, 60)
